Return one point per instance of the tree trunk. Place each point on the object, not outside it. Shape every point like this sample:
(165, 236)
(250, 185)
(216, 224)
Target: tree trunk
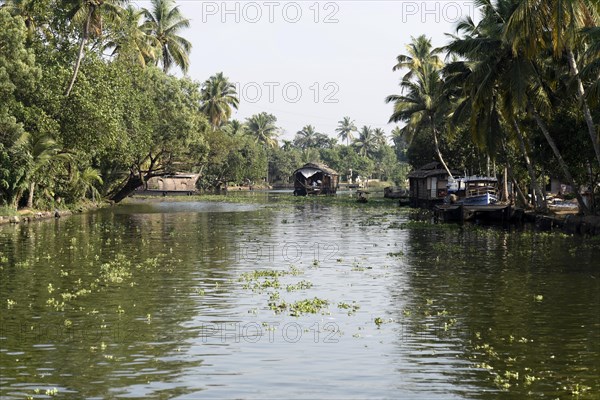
(505, 185)
(81, 52)
(534, 184)
(133, 182)
(582, 207)
(437, 149)
(30, 197)
(520, 193)
(587, 115)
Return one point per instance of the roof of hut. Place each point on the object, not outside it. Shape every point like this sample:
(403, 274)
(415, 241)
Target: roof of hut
(313, 167)
(431, 169)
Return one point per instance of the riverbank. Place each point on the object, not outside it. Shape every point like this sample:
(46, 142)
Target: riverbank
(26, 215)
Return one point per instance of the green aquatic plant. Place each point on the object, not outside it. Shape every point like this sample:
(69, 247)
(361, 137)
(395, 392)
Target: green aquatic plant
(299, 286)
(117, 270)
(352, 308)
(308, 306)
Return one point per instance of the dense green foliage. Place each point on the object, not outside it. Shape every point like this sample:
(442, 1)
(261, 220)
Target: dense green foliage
(516, 93)
(89, 110)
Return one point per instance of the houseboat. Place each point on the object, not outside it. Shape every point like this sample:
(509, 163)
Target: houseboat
(473, 191)
(315, 178)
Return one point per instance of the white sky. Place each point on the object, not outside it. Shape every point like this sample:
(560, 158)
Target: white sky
(336, 60)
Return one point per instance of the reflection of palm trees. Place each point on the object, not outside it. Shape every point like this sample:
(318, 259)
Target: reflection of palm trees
(481, 307)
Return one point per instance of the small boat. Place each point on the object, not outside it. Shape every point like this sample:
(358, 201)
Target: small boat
(473, 191)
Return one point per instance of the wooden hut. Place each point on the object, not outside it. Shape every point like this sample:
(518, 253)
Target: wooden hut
(428, 185)
(315, 178)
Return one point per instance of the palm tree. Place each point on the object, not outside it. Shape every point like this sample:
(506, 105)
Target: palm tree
(536, 25)
(218, 95)
(590, 71)
(492, 82)
(422, 101)
(497, 84)
(345, 129)
(84, 182)
(235, 128)
(306, 137)
(366, 141)
(130, 42)
(42, 149)
(262, 127)
(89, 14)
(380, 137)
(420, 56)
(164, 22)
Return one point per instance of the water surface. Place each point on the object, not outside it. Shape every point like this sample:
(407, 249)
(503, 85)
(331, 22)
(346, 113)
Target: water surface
(161, 300)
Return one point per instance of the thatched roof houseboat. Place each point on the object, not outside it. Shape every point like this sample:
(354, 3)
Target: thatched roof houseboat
(315, 178)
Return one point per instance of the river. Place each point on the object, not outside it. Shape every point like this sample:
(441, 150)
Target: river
(299, 299)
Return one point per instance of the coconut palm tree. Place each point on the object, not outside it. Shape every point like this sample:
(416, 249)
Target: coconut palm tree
(90, 15)
(42, 149)
(422, 101)
(492, 82)
(537, 25)
(380, 137)
(218, 96)
(130, 42)
(345, 129)
(366, 141)
(235, 128)
(262, 127)
(164, 22)
(306, 137)
(420, 55)
(499, 84)
(592, 67)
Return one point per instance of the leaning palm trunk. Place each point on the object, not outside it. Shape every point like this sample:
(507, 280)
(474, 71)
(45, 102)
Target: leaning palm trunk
(437, 149)
(584, 209)
(587, 115)
(539, 198)
(81, 52)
